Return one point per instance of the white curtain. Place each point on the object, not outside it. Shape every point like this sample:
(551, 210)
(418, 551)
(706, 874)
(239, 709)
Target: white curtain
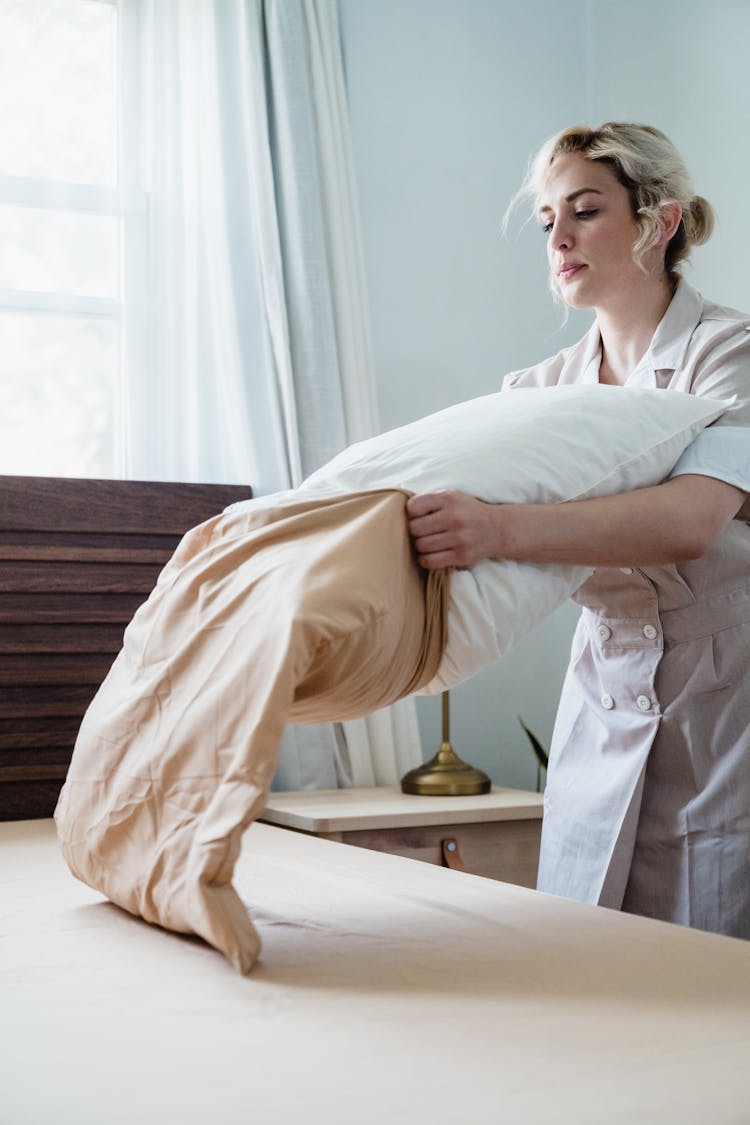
(247, 353)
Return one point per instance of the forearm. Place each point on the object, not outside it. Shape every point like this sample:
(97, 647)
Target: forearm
(669, 523)
(649, 527)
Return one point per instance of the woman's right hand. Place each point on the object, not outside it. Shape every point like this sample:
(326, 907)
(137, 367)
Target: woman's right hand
(667, 523)
(452, 528)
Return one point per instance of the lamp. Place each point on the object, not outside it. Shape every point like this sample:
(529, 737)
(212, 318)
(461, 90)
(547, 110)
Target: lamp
(445, 775)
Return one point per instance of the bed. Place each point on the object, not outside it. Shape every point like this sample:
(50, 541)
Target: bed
(309, 606)
(388, 990)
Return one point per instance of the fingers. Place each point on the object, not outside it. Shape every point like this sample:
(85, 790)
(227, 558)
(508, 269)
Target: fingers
(426, 502)
(453, 528)
(426, 545)
(437, 561)
(434, 528)
(428, 516)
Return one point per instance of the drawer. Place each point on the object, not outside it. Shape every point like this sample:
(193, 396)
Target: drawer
(506, 850)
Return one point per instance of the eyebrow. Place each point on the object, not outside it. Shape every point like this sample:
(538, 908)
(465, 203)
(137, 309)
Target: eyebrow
(574, 195)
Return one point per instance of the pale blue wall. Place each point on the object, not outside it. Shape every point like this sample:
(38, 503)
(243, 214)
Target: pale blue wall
(682, 65)
(444, 116)
(448, 98)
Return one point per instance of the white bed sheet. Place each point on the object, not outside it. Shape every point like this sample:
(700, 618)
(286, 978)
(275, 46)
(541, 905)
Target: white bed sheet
(388, 991)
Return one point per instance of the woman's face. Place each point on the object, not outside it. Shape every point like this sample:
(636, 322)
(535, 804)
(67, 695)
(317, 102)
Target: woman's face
(590, 227)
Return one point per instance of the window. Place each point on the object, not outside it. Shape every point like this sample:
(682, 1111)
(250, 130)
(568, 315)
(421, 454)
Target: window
(60, 237)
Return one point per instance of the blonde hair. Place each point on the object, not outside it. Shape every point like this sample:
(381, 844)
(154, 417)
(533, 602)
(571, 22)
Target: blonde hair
(646, 162)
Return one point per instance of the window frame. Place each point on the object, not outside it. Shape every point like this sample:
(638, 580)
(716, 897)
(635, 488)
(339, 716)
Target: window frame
(126, 202)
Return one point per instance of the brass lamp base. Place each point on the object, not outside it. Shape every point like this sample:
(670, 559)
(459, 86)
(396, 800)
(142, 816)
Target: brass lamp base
(445, 775)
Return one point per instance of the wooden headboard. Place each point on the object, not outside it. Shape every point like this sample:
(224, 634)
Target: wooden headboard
(77, 558)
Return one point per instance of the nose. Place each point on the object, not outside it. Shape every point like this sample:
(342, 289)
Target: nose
(561, 234)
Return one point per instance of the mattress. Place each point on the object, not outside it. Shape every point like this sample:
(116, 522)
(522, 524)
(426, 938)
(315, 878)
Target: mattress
(387, 990)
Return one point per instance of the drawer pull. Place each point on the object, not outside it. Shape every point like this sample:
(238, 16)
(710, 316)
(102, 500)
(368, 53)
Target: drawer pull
(451, 854)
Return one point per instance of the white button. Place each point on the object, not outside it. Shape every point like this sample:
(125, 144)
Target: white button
(649, 631)
(626, 569)
(644, 702)
(604, 632)
(607, 702)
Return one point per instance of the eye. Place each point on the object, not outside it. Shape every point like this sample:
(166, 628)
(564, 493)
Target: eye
(587, 213)
(546, 227)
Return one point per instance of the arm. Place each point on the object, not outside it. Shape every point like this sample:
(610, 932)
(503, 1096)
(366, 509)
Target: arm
(670, 522)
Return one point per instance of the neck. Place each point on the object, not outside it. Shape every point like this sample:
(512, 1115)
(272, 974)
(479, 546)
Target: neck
(627, 328)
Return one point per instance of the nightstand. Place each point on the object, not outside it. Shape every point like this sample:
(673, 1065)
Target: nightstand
(496, 834)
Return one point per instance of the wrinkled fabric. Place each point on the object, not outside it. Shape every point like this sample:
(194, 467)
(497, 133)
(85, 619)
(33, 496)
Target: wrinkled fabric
(312, 611)
(647, 804)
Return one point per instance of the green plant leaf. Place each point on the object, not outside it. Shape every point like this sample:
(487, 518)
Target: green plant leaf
(539, 752)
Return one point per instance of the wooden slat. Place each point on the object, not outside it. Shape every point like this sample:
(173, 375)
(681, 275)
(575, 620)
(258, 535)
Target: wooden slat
(50, 757)
(51, 749)
(21, 608)
(86, 556)
(32, 701)
(77, 578)
(33, 772)
(28, 800)
(47, 736)
(22, 639)
(66, 504)
(83, 540)
(55, 668)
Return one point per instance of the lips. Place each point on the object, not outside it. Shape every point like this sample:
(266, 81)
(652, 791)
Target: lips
(569, 270)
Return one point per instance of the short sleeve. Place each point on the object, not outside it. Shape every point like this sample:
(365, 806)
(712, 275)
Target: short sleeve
(719, 451)
(721, 369)
(719, 355)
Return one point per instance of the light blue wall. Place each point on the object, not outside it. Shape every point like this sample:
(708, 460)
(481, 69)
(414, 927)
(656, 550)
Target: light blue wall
(448, 98)
(444, 115)
(682, 65)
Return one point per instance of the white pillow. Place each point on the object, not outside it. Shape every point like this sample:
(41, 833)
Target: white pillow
(535, 445)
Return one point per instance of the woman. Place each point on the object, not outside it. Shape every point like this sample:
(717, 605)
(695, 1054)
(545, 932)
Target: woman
(647, 806)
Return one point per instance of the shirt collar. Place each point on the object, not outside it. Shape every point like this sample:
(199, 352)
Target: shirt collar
(669, 343)
(590, 354)
(666, 352)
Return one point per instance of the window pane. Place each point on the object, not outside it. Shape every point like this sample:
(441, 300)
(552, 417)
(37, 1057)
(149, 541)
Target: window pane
(57, 84)
(58, 251)
(57, 376)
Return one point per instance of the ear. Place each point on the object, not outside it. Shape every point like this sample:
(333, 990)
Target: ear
(670, 215)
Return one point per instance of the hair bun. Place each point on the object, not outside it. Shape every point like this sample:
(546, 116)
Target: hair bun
(700, 220)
